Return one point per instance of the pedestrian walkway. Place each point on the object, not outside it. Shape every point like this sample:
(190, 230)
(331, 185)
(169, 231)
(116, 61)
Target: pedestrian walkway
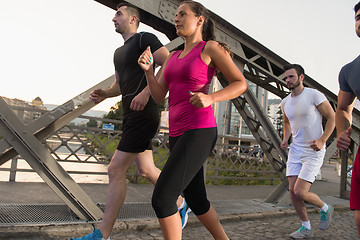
(240, 208)
(275, 225)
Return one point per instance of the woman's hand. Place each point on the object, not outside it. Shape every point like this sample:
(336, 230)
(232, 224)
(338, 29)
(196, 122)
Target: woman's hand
(146, 60)
(200, 100)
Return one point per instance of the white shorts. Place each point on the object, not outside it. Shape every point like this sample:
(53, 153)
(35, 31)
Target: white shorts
(304, 163)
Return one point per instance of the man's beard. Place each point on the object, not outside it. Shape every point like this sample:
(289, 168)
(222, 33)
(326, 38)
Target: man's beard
(295, 85)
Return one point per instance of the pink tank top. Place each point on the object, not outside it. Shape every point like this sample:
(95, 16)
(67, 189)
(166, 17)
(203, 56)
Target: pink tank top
(182, 75)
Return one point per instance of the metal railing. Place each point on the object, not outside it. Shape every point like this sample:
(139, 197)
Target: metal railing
(228, 163)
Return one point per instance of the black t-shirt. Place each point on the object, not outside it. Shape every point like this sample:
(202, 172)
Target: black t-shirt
(131, 77)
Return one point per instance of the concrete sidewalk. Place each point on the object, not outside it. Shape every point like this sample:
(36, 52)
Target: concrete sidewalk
(231, 202)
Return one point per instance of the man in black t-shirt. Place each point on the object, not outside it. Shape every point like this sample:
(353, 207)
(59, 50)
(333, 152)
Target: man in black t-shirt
(141, 116)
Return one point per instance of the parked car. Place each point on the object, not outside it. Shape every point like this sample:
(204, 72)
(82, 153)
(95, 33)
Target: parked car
(256, 151)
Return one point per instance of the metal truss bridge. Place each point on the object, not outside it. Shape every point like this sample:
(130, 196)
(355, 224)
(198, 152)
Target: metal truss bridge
(258, 64)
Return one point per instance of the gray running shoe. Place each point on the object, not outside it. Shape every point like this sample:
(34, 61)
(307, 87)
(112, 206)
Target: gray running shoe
(302, 233)
(325, 218)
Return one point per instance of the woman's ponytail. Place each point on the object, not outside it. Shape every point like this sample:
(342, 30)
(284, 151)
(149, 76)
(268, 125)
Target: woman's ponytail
(208, 32)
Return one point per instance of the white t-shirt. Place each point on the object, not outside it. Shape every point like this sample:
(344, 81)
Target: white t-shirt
(304, 117)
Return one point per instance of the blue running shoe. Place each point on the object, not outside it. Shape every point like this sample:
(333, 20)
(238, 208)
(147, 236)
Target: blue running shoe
(95, 235)
(184, 211)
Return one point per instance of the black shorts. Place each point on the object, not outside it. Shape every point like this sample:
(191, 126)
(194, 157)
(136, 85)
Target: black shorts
(137, 132)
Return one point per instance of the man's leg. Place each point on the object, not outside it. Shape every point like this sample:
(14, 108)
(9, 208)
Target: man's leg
(302, 192)
(297, 202)
(357, 220)
(146, 166)
(355, 191)
(116, 193)
(305, 230)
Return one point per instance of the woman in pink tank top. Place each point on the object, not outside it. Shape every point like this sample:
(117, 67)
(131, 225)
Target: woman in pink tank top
(187, 75)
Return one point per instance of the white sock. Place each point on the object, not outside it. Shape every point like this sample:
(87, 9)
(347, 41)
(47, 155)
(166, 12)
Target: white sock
(306, 224)
(325, 208)
(105, 238)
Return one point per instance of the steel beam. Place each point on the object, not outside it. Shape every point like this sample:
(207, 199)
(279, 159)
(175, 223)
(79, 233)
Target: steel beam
(40, 159)
(262, 66)
(344, 190)
(22, 140)
(330, 151)
(56, 119)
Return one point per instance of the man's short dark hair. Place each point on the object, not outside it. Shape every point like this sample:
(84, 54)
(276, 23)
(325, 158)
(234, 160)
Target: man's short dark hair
(299, 69)
(357, 7)
(132, 10)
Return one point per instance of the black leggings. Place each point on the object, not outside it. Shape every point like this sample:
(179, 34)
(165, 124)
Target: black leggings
(184, 173)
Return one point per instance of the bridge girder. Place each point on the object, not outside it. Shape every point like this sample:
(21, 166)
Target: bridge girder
(259, 64)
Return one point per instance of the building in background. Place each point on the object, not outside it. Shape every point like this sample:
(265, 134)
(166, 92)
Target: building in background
(275, 114)
(230, 123)
(38, 103)
(25, 111)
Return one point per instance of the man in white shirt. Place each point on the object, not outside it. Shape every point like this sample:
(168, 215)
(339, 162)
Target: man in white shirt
(303, 110)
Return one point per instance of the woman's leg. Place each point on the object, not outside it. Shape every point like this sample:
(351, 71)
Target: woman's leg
(211, 221)
(183, 172)
(171, 227)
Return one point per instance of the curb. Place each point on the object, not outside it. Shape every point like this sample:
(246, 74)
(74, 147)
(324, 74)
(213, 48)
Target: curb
(79, 229)
(274, 213)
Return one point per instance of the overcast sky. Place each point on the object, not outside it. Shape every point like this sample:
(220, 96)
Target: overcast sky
(58, 49)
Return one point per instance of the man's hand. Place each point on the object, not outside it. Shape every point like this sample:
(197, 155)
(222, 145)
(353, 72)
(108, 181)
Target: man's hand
(317, 145)
(139, 102)
(200, 100)
(343, 140)
(284, 145)
(97, 95)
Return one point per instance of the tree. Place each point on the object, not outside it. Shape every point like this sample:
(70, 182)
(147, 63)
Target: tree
(92, 123)
(116, 113)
